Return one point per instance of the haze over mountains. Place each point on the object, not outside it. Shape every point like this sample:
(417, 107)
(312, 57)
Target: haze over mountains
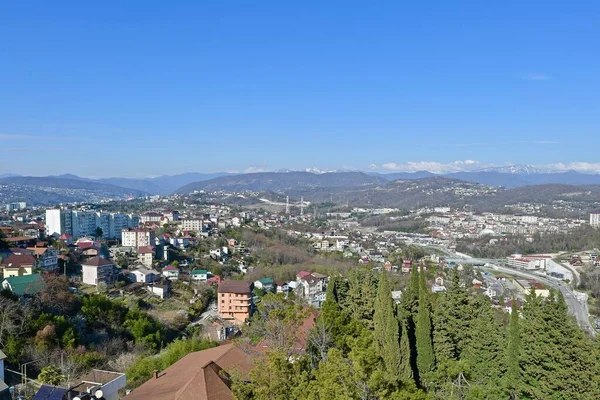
(513, 176)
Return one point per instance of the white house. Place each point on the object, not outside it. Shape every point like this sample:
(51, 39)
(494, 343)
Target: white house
(199, 275)
(160, 288)
(98, 270)
(282, 287)
(171, 272)
(143, 275)
(438, 289)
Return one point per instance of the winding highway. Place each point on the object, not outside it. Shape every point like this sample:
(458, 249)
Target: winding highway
(577, 308)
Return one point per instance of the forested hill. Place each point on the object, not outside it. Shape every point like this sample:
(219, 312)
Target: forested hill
(453, 345)
(278, 181)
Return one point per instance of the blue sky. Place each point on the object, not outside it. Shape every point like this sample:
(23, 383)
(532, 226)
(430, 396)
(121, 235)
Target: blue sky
(147, 88)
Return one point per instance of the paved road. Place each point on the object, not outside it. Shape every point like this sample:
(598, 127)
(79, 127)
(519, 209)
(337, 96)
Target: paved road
(576, 308)
(211, 311)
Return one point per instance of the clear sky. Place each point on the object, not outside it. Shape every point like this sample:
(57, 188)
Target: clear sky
(143, 88)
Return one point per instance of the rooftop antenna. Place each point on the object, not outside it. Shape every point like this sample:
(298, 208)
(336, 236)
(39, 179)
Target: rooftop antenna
(287, 205)
(301, 206)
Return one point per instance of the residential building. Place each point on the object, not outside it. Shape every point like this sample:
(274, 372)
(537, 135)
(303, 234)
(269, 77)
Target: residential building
(199, 275)
(312, 287)
(47, 258)
(25, 285)
(145, 255)
(234, 300)
(171, 215)
(151, 217)
(282, 287)
(18, 265)
(85, 223)
(265, 284)
(171, 272)
(21, 241)
(181, 242)
(143, 275)
(96, 381)
(595, 218)
(21, 205)
(201, 375)
(525, 287)
(137, 237)
(161, 287)
(98, 270)
(191, 225)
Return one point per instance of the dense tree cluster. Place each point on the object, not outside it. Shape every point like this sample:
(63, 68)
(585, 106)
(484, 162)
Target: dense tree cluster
(453, 345)
(73, 333)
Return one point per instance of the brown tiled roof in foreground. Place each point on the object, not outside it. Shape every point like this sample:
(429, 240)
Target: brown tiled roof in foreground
(231, 286)
(197, 376)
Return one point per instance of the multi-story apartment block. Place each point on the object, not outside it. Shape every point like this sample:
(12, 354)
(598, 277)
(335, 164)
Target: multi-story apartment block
(234, 300)
(21, 205)
(151, 217)
(595, 218)
(191, 225)
(137, 237)
(58, 222)
(84, 223)
(118, 222)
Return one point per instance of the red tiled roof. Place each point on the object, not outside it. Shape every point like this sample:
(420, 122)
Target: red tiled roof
(18, 260)
(170, 268)
(197, 376)
(19, 239)
(145, 250)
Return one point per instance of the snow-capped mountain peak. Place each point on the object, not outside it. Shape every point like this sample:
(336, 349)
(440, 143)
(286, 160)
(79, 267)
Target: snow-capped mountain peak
(519, 169)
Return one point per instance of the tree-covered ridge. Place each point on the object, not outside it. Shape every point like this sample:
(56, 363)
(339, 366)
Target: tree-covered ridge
(452, 345)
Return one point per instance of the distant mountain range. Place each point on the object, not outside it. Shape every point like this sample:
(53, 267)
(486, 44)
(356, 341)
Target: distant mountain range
(514, 176)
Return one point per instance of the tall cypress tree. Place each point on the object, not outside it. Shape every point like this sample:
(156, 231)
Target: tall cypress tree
(425, 355)
(512, 376)
(406, 371)
(386, 327)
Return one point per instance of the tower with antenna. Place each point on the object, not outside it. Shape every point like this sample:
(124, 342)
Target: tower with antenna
(301, 206)
(287, 205)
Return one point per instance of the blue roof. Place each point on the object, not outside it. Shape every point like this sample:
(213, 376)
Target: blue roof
(49, 392)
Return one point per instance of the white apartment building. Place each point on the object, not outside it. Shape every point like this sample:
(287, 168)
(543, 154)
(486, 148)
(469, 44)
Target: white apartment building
(85, 223)
(20, 205)
(191, 225)
(595, 218)
(151, 217)
(137, 237)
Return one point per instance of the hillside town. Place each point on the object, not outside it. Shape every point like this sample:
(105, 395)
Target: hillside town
(203, 265)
